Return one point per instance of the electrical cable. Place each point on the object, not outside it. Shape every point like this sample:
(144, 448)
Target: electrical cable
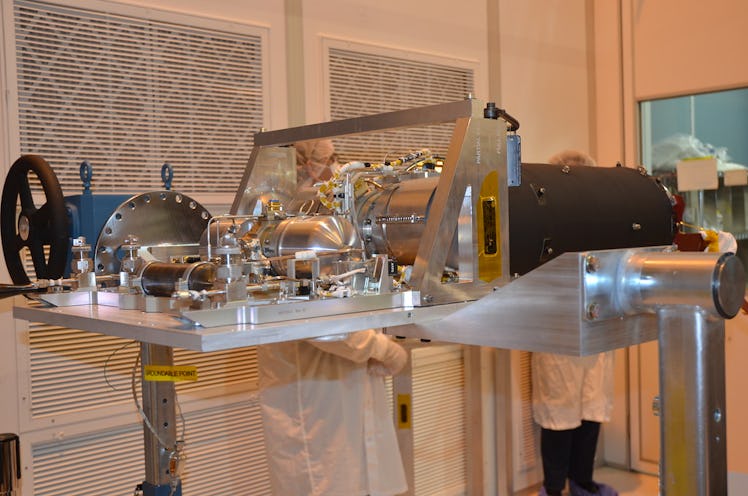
(106, 364)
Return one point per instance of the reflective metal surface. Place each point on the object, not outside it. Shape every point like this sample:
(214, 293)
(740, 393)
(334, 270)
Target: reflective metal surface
(321, 234)
(396, 214)
(693, 404)
(159, 219)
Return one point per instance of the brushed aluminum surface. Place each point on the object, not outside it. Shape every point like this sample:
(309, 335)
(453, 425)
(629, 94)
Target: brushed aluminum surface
(693, 416)
(294, 309)
(168, 330)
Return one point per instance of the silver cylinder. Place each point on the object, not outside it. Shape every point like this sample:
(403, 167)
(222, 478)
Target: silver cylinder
(10, 464)
(321, 234)
(162, 278)
(395, 218)
(712, 281)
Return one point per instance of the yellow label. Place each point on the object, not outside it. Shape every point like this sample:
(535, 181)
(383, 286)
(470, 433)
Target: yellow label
(403, 411)
(488, 224)
(170, 373)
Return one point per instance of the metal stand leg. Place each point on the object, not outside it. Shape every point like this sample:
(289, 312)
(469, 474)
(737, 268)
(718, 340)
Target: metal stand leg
(159, 406)
(693, 458)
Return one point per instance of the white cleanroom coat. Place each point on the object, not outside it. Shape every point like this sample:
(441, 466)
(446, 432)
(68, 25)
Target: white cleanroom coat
(328, 428)
(568, 389)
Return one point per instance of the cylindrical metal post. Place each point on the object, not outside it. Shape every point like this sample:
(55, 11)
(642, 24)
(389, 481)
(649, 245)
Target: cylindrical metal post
(10, 464)
(693, 458)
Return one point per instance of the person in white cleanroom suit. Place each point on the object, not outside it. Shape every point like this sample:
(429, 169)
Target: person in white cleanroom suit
(327, 424)
(326, 419)
(571, 396)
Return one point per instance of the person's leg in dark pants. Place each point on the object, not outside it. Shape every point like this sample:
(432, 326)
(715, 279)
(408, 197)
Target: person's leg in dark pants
(556, 450)
(582, 463)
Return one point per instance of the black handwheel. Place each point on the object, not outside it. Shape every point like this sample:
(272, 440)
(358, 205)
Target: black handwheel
(33, 228)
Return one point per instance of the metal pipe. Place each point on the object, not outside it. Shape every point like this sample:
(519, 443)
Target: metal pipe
(693, 459)
(713, 281)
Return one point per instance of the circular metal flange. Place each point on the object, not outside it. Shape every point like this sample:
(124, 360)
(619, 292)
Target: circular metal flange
(168, 224)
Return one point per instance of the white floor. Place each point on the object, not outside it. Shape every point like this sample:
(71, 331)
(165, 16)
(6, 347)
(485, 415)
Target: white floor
(626, 483)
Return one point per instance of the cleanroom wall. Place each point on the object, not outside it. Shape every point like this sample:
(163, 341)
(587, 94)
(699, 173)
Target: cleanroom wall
(647, 50)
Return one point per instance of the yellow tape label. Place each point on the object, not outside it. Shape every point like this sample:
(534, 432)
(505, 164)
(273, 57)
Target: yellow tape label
(403, 411)
(170, 373)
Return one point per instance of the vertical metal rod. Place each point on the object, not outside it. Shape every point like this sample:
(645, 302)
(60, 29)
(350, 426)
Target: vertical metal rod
(693, 438)
(159, 406)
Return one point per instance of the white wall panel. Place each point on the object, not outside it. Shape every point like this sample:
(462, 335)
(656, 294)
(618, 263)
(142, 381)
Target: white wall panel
(440, 28)
(688, 46)
(544, 74)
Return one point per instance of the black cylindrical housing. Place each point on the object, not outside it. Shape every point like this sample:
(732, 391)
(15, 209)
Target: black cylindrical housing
(561, 209)
(160, 278)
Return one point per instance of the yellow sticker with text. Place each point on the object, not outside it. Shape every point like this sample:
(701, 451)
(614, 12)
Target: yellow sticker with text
(403, 411)
(170, 373)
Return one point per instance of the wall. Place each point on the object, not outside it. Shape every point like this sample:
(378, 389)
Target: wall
(667, 48)
(453, 30)
(545, 75)
(687, 46)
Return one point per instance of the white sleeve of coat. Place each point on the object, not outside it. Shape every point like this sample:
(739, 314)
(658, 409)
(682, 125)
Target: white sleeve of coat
(358, 346)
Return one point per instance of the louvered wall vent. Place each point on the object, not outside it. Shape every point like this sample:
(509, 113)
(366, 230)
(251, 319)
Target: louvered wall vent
(439, 421)
(224, 448)
(364, 83)
(74, 371)
(129, 94)
(528, 458)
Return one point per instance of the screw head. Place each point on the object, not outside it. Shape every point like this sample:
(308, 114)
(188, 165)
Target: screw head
(593, 311)
(592, 263)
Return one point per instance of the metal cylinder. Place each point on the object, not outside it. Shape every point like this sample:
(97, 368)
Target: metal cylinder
(161, 279)
(712, 281)
(393, 218)
(566, 209)
(692, 389)
(320, 234)
(10, 464)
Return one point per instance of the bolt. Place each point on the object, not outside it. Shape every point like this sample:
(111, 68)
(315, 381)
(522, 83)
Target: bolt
(593, 311)
(566, 169)
(656, 406)
(636, 226)
(592, 263)
(428, 298)
(718, 415)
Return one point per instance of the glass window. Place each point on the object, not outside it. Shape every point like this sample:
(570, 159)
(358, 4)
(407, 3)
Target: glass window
(691, 127)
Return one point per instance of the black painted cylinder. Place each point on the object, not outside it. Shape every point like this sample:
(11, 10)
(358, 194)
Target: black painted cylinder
(565, 209)
(161, 278)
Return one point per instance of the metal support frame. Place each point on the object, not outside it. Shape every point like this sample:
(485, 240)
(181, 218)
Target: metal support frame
(476, 158)
(160, 410)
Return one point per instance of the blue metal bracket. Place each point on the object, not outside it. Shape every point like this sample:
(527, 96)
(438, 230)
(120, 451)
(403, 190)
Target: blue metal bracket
(162, 490)
(167, 174)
